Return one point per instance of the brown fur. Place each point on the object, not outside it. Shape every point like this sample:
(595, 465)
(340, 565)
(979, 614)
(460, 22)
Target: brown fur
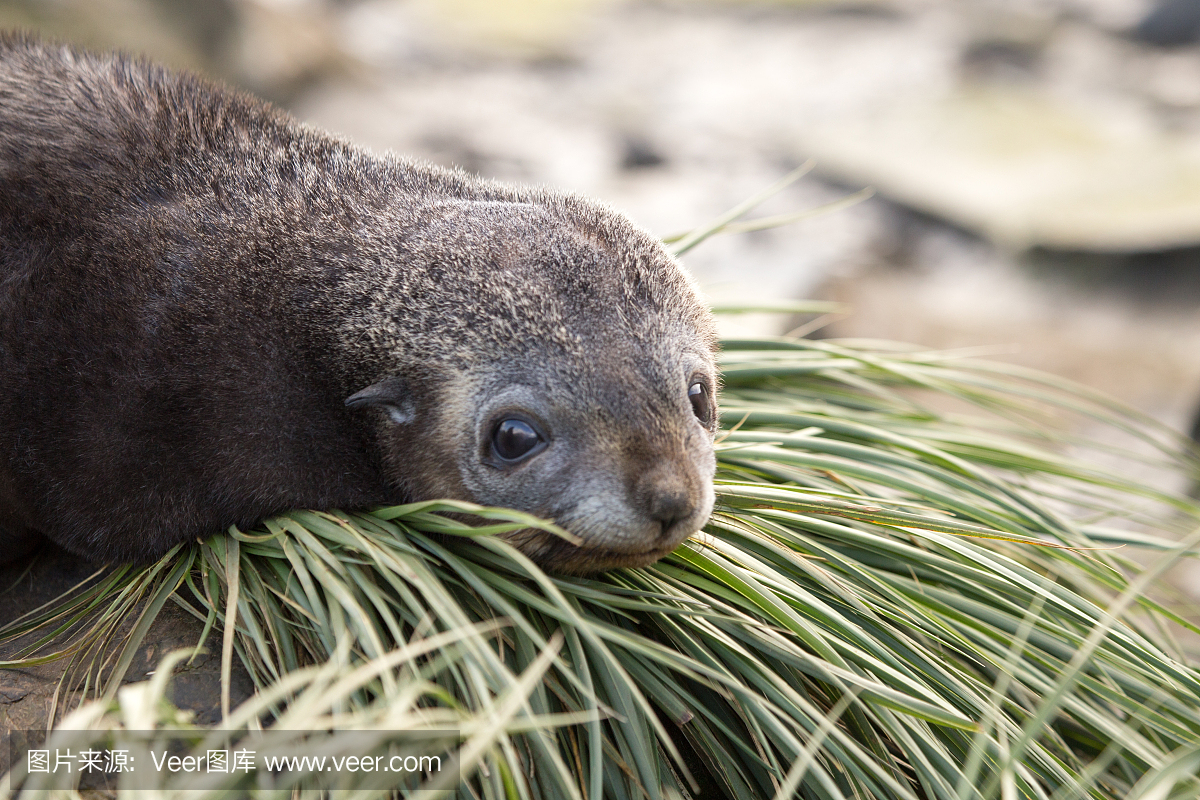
(192, 284)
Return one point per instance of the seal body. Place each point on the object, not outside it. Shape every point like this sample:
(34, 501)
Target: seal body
(210, 313)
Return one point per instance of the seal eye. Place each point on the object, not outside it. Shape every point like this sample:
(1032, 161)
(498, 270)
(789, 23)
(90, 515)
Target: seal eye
(514, 439)
(701, 406)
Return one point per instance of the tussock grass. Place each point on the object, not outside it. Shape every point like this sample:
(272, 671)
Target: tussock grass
(890, 601)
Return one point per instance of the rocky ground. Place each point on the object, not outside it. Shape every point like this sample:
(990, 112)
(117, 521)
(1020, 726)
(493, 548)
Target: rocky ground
(31, 695)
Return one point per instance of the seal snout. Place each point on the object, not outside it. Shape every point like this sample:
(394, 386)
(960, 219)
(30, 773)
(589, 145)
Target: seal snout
(670, 496)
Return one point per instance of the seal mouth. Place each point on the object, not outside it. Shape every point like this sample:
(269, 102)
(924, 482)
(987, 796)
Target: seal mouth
(556, 555)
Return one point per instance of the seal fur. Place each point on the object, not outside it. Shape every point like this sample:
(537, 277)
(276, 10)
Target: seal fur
(210, 313)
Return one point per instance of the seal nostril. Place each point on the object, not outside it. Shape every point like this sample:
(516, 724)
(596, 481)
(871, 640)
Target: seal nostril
(668, 508)
(667, 525)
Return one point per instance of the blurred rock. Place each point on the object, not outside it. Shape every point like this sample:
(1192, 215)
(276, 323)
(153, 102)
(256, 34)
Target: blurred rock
(283, 46)
(639, 153)
(1005, 41)
(961, 294)
(182, 33)
(272, 47)
(1023, 169)
(531, 29)
(1171, 23)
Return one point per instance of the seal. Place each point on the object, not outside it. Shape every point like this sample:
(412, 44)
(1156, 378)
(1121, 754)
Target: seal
(210, 313)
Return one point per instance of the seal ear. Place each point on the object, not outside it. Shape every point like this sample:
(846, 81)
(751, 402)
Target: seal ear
(392, 395)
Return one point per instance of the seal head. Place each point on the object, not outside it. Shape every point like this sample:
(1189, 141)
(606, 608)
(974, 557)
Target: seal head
(585, 392)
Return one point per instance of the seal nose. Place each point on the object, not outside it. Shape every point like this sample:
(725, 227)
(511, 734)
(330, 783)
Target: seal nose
(666, 497)
(668, 507)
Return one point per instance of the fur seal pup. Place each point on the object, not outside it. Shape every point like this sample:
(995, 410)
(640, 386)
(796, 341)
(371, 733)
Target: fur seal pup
(210, 313)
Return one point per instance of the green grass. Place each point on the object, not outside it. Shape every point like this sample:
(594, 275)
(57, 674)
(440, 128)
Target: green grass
(890, 601)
